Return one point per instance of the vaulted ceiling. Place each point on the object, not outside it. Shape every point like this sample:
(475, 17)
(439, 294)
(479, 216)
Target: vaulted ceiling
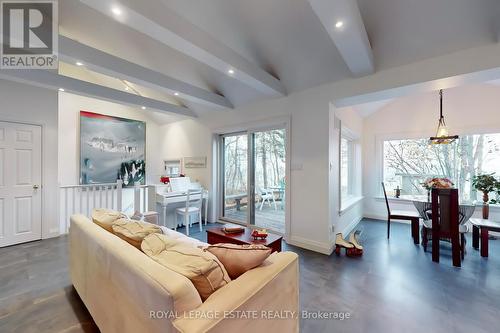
(181, 52)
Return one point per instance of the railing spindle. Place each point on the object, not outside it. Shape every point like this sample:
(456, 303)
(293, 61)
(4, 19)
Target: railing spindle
(99, 188)
(119, 195)
(113, 197)
(66, 211)
(107, 195)
(73, 207)
(88, 200)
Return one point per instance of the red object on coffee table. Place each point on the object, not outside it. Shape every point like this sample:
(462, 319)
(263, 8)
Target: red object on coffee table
(216, 235)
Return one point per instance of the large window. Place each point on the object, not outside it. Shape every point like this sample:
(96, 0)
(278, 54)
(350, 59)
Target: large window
(407, 163)
(346, 168)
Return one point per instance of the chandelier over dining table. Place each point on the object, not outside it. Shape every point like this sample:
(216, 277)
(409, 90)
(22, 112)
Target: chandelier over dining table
(442, 134)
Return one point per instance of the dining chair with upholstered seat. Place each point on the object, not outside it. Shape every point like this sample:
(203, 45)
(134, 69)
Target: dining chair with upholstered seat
(465, 212)
(405, 215)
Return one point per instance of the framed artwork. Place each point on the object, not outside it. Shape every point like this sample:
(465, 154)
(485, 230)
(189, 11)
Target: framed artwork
(112, 148)
(195, 162)
(172, 168)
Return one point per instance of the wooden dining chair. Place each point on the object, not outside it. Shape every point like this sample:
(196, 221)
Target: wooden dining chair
(465, 212)
(445, 222)
(405, 215)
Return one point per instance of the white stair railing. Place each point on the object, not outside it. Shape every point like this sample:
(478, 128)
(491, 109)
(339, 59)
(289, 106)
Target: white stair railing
(81, 199)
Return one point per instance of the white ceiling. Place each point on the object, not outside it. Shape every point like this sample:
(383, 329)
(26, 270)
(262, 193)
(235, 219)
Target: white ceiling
(285, 38)
(367, 109)
(406, 31)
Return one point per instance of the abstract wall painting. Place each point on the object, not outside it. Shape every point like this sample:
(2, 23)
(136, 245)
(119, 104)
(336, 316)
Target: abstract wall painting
(112, 148)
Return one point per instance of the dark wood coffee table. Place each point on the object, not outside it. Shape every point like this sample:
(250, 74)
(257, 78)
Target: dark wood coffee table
(216, 235)
(480, 226)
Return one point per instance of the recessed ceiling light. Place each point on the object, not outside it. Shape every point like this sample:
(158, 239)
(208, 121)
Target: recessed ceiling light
(117, 11)
(61, 89)
(231, 71)
(176, 93)
(78, 63)
(143, 107)
(339, 24)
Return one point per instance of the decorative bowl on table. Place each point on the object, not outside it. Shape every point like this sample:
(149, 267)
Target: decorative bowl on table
(259, 233)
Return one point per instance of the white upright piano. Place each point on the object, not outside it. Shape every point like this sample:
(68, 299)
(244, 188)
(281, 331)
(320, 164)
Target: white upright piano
(167, 198)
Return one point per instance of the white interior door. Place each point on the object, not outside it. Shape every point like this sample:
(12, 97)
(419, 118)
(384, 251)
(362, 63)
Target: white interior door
(20, 183)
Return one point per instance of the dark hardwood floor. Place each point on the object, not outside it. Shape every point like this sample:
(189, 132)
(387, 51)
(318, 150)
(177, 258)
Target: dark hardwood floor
(394, 287)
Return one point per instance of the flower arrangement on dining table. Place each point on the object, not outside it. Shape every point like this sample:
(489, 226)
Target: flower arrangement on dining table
(431, 183)
(442, 183)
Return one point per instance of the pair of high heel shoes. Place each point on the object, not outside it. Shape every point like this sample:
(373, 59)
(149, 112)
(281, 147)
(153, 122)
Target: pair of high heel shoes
(352, 247)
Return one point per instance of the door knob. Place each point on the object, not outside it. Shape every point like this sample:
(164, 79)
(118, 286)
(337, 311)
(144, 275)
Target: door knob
(35, 187)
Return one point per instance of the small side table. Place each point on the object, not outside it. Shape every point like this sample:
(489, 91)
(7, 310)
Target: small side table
(216, 235)
(480, 229)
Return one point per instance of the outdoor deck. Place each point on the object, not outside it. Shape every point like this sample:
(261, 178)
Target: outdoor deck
(267, 218)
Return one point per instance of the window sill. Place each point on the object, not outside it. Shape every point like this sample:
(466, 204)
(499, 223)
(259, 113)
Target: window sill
(404, 200)
(349, 203)
(393, 199)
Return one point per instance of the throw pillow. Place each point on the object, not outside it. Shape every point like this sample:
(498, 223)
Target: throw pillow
(237, 259)
(134, 231)
(105, 217)
(204, 270)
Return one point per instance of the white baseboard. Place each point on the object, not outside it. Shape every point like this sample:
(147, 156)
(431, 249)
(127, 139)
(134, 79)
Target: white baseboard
(54, 232)
(347, 230)
(382, 218)
(323, 248)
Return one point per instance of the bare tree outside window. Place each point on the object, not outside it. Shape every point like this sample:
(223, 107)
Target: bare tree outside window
(268, 155)
(409, 162)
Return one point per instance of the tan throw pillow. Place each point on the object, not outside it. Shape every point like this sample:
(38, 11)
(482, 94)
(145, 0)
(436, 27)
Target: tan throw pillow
(237, 259)
(105, 217)
(134, 231)
(204, 270)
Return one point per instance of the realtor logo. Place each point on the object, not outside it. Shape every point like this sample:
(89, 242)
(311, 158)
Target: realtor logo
(29, 32)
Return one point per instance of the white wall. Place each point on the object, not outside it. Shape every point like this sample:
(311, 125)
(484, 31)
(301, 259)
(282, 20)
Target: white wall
(308, 112)
(188, 138)
(310, 208)
(38, 106)
(468, 110)
(70, 106)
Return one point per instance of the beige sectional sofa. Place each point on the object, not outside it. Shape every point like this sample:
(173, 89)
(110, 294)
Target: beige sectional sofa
(126, 291)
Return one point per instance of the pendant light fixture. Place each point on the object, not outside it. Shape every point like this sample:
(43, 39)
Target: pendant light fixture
(442, 134)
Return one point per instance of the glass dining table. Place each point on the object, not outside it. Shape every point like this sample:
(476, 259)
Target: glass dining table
(423, 205)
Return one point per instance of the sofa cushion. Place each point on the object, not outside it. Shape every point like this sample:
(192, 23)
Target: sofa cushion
(237, 259)
(134, 231)
(204, 270)
(172, 234)
(105, 217)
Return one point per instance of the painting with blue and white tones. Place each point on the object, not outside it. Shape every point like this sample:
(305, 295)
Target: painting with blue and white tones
(112, 148)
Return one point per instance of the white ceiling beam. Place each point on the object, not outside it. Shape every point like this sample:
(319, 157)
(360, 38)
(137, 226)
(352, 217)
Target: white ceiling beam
(172, 30)
(72, 51)
(52, 80)
(343, 22)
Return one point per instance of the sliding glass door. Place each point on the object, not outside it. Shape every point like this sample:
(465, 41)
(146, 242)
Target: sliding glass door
(235, 177)
(269, 164)
(253, 172)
